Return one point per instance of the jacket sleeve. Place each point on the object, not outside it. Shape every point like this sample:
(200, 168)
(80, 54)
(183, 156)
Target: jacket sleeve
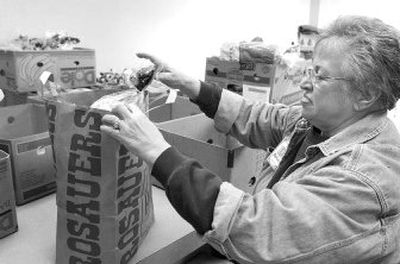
(329, 215)
(191, 189)
(254, 124)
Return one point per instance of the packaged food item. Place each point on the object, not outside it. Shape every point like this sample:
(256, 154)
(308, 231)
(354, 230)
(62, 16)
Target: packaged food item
(52, 41)
(229, 51)
(128, 97)
(256, 52)
(145, 76)
(129, 78)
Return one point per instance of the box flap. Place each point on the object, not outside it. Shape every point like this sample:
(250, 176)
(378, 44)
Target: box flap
(200, 128)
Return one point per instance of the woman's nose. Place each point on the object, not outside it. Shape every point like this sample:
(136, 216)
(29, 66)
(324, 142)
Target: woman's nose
(306, 83)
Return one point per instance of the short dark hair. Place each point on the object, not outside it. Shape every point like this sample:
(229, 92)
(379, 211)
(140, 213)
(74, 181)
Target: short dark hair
(373, 54)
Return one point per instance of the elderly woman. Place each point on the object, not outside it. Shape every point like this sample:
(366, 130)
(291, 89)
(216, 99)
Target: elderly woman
(329, 191)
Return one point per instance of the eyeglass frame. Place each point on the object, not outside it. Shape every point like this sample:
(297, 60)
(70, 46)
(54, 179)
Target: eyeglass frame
(311, 75)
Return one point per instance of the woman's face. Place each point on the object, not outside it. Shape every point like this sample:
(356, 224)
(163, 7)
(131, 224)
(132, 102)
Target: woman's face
(326, 102)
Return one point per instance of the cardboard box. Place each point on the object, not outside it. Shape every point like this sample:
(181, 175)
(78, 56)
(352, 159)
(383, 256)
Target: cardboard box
(182, 107)
(8, 216)
(286, 89)
(24, 135)
(258, 80)
(15, 98)
(20, 70)
(226, 74)
(161, 112)
(196, 137)
(252, 80)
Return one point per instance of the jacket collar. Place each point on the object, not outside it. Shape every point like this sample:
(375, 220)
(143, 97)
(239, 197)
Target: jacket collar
(359, 132)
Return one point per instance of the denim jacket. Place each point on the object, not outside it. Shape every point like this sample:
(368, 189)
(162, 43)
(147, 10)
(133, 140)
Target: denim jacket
(339, 204)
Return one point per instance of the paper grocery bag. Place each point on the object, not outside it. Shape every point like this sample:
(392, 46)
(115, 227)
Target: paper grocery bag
(104, 202)
(8, 216)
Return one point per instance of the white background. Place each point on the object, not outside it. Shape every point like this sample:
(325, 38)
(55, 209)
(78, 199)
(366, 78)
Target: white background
(182, 32)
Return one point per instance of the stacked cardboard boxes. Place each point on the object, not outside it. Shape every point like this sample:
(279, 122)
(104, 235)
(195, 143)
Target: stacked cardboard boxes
(24, 136)
(253, 80)
(23, 125)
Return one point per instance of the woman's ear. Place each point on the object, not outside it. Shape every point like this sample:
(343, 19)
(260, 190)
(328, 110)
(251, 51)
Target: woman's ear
(366, 99)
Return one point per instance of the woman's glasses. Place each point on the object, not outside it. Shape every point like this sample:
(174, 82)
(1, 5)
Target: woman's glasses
(311, 75)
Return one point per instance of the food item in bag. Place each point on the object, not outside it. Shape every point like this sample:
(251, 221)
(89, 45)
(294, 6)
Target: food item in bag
(256, 52)
(128, 97)
(144, 77)
(129, 78)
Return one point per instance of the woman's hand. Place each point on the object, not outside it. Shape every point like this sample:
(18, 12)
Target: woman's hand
(134, 130)
(172, 78)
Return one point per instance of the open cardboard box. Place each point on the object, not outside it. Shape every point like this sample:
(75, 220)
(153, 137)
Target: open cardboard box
(196, 137)
(182, 107)
(24, 136)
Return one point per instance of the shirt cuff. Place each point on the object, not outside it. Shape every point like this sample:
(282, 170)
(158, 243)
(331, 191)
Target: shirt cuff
(166, 163)
(208, 99)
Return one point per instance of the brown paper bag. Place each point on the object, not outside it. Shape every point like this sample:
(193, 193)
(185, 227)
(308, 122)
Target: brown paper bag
(104, 200)
(8, 216)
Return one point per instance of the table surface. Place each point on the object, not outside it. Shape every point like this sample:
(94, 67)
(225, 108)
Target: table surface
(169, 240)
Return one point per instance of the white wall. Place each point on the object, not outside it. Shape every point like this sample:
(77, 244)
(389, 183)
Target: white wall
(182, 32)
(386, 10)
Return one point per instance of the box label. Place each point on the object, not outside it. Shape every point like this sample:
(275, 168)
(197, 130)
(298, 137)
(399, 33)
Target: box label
(256, 93)
(33, 145)
(74, 76)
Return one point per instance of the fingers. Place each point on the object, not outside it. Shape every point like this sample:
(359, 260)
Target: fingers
(150, 57)
(161, 66)
(123, 111)
(110, 120)
(133, 108)
(112, 125)
(110, 131)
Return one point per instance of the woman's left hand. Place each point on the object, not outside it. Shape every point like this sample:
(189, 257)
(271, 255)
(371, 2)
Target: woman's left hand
(135, 131)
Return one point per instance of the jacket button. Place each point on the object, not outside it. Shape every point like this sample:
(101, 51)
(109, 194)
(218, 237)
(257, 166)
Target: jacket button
(252, 181)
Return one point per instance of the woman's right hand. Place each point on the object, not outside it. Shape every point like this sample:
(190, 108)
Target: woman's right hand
(173, 78)
(132, 128)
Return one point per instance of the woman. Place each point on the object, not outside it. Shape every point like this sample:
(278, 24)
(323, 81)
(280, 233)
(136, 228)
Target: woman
(329, 190)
